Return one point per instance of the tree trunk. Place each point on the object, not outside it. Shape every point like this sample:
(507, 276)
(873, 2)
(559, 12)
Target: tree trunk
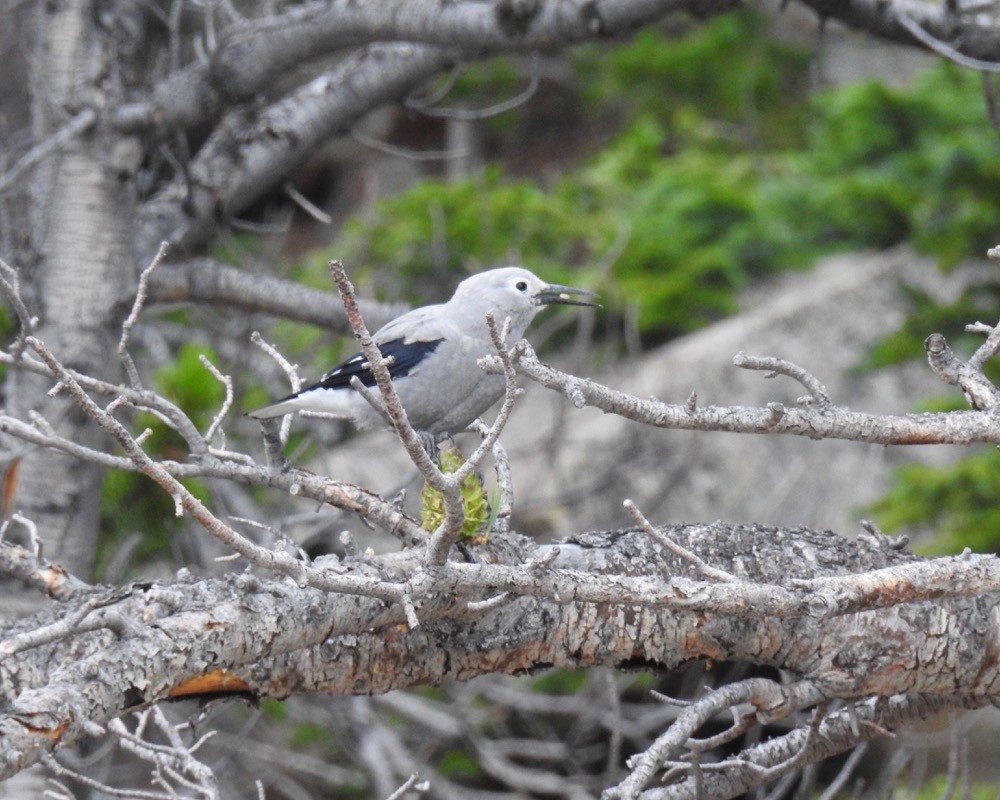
(82, 216)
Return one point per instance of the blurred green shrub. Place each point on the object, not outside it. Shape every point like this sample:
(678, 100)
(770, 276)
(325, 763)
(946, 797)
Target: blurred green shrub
(130, 503)
(721, 170)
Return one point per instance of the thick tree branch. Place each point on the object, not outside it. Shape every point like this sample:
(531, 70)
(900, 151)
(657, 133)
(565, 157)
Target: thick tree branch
(768, 699)
(35, 571)
(251, 151)
(204, 280)
(254, 52)
(979, 33)
(272, 637)
(257, 53)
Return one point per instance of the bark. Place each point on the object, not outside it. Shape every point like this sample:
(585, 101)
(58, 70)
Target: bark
(977, 34)
(206, 281)
(621, 600)
(83, 205)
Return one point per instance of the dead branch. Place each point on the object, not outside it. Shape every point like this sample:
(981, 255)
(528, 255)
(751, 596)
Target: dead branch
(822, 422)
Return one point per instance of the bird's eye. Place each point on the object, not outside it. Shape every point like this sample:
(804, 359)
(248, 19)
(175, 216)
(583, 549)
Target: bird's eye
(521, 286)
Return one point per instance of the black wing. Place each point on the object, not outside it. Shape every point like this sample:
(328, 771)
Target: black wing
(405, 355)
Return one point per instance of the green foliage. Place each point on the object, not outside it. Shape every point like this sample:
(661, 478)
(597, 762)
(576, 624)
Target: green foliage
(682, 78)
(190, 385)
(928, 315)
(274, 710)
(958, 502)
(474, 500)
(458, 765)
(560, 681)
(131, 503)
(444, 228)
(701, 214)
(940, 786)
(307, 733)
(883, 165)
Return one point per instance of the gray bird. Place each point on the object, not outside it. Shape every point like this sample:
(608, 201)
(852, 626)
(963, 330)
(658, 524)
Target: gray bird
(435, 350)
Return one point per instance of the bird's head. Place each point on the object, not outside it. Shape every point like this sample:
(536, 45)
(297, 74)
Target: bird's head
(516, 293)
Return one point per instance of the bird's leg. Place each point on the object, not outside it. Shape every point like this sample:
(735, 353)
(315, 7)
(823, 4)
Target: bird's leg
(429, 441)
(270, 430)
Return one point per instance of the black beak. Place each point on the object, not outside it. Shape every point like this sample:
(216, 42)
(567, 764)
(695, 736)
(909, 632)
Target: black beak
(556, 295)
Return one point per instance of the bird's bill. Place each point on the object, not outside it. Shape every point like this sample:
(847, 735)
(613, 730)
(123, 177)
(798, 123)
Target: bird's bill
(556, 295)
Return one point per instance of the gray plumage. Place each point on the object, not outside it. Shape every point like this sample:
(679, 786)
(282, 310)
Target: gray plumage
(435, 350)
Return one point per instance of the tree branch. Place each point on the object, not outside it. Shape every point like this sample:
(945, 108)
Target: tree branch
(250, 150)
(203, 280)
(272, 637)
(980, 35)
(824, 422)
(837, 733)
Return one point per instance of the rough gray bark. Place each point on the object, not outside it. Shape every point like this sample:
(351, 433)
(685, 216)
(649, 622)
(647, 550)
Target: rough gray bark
(849, 619)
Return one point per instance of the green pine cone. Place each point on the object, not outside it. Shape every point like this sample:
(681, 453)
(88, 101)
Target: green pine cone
(474, 500)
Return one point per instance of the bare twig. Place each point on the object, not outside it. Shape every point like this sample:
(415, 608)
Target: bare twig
(979, 391)
(449, 485)
(406, 152)
(306, 205)
(133, 317)
(412, 784)
(505, 482)
(710, 572)
(371, 397)
(80, 123)
(10, 286)
(432, 98)
(68, 626)
(835, 786)
(830, 422)
(376, 363)
(227, 403)
(110, 791)
(944, 49)
(769, 698)
(298, 483)
(443, 538)
(480, 606)
(293, 378)
(779, 366)
(412, 621)
(511, 393)
(187, 502)
(987, 349)
(489, 111)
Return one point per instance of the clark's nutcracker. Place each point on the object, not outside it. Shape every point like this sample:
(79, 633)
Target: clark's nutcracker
(434, 351)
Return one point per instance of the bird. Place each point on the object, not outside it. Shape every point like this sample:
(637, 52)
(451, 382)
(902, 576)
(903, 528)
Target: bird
(434, 352)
